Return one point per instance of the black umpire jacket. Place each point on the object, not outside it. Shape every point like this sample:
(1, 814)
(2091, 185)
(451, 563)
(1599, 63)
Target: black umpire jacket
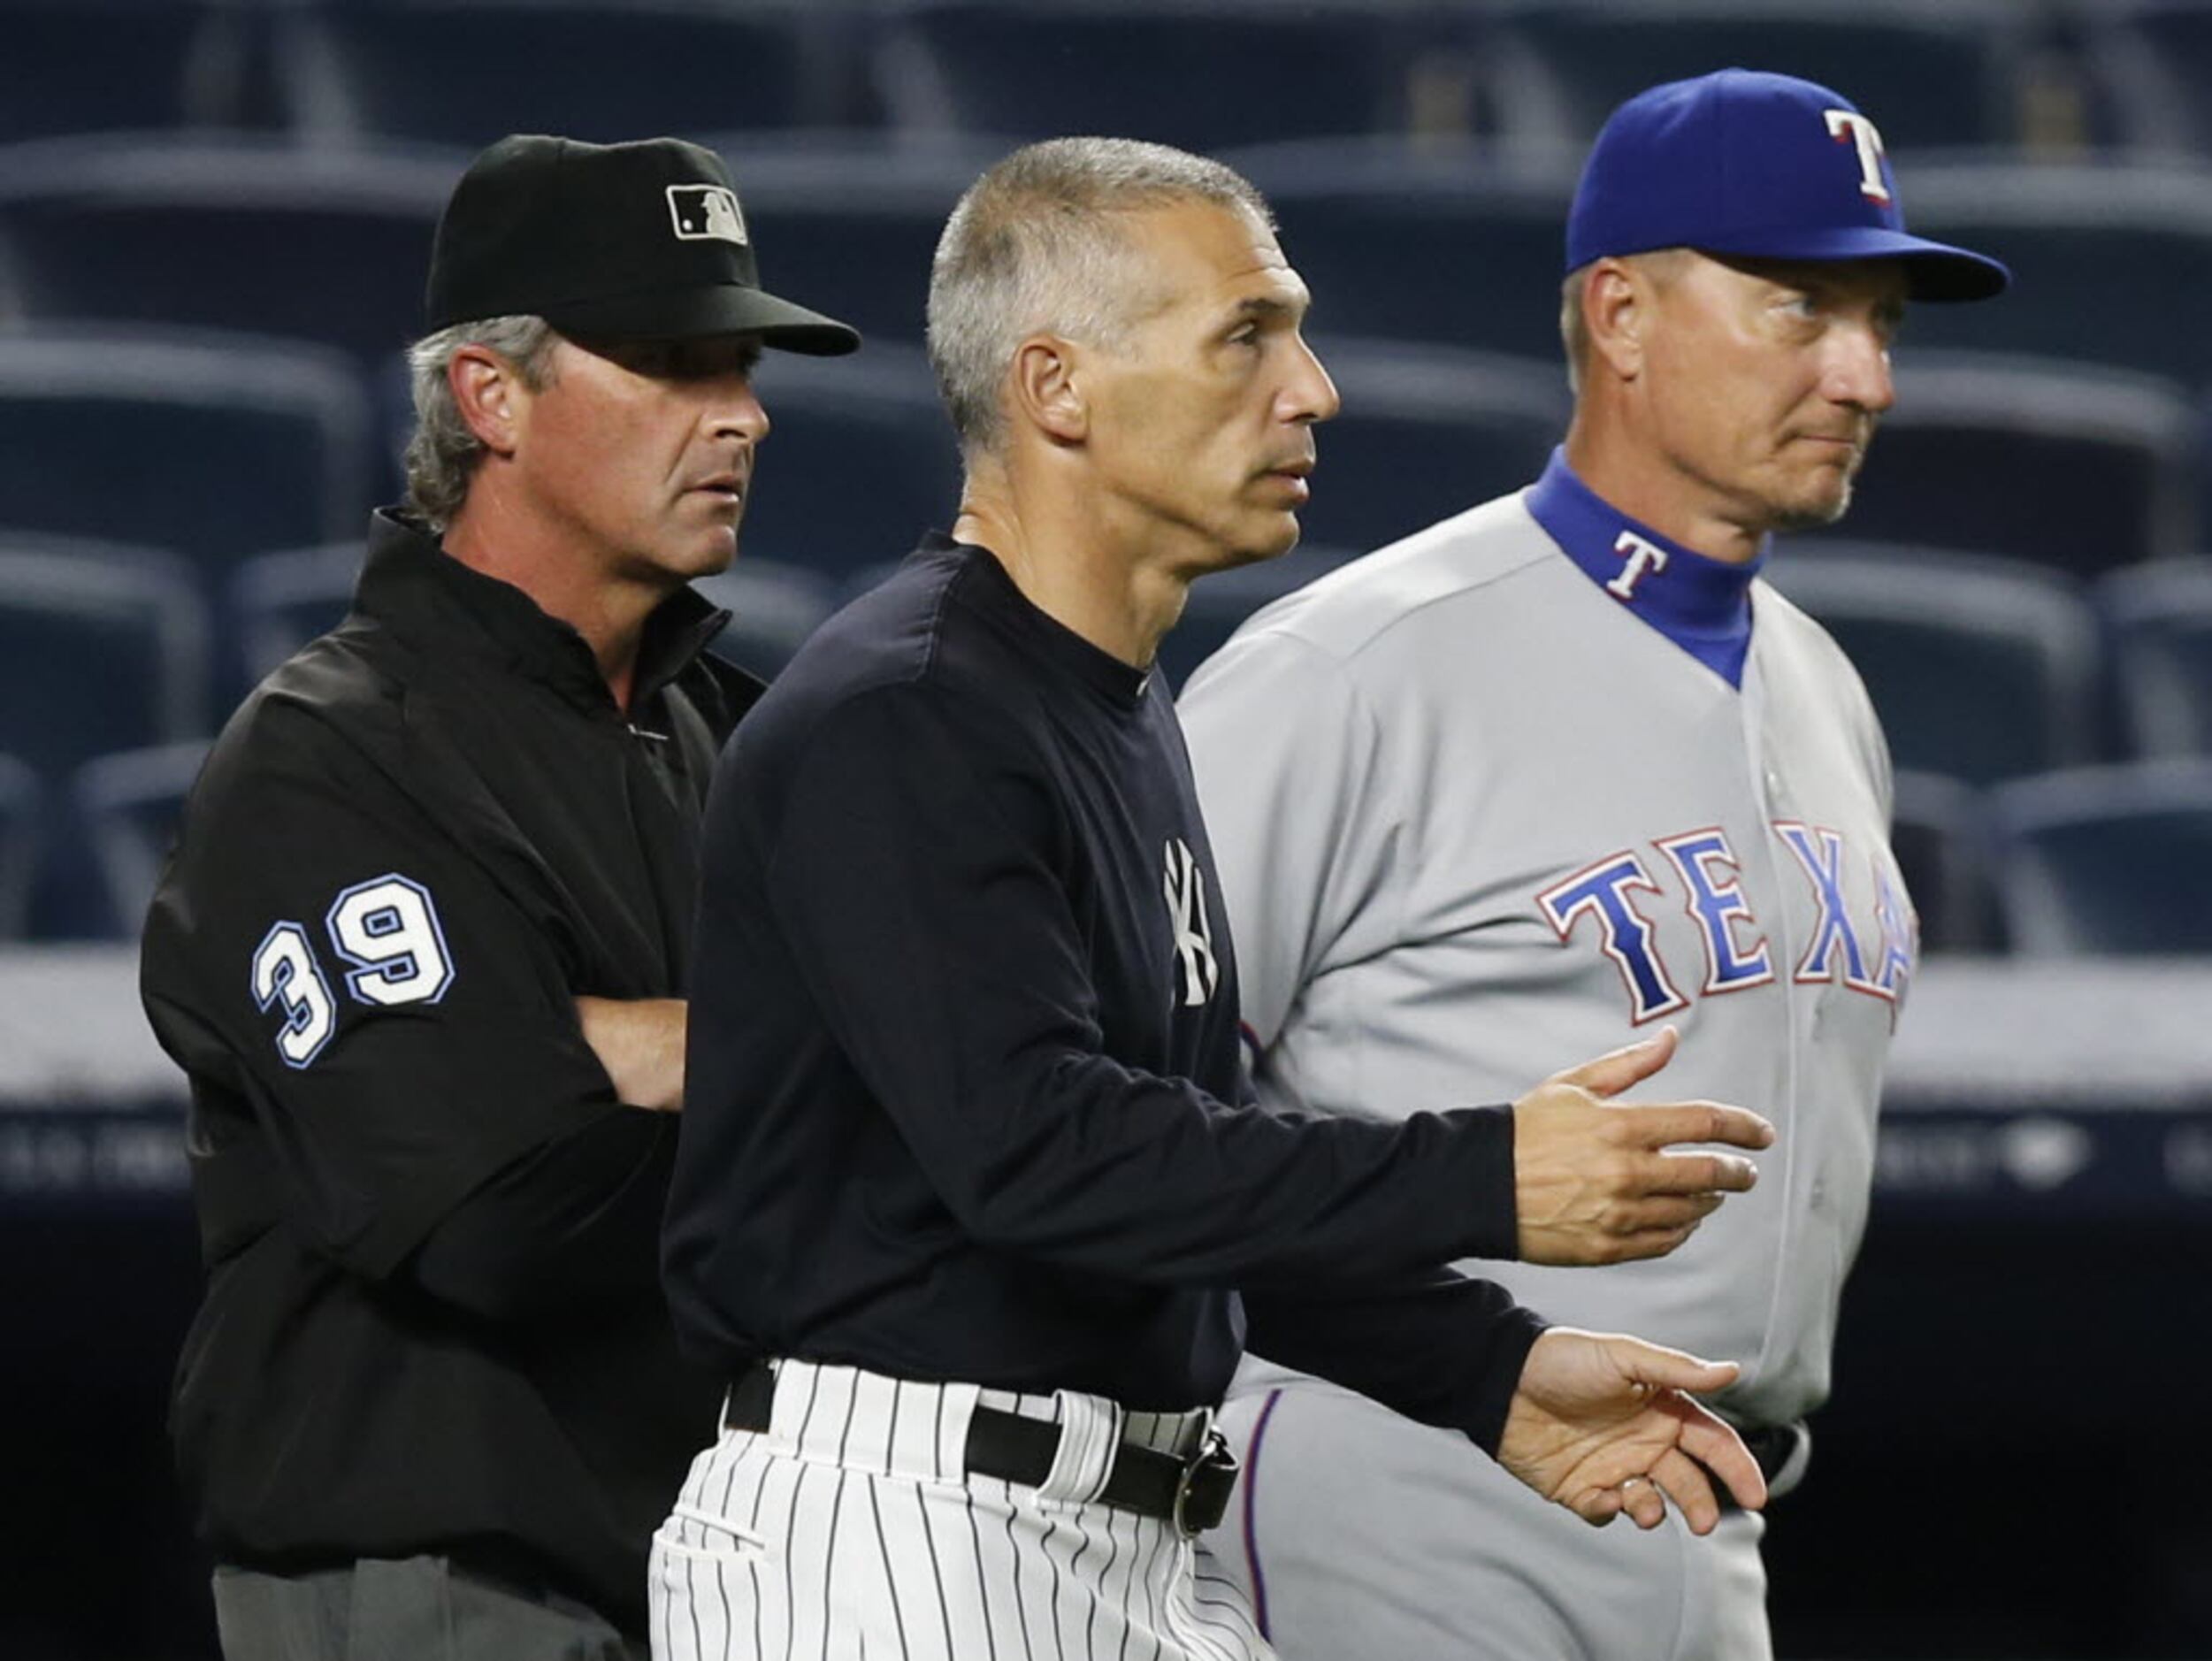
(433, 1320)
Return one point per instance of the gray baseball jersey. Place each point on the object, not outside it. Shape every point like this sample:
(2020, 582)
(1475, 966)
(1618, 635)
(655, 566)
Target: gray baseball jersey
(1504, 796)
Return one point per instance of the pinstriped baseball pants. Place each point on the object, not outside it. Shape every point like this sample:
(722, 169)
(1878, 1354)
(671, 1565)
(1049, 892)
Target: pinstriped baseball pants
(848, 1531)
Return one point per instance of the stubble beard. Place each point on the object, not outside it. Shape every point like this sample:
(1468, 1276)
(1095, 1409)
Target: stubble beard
(1814, 512)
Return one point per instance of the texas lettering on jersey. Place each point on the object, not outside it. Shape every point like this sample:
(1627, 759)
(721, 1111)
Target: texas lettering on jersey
(1873, 955)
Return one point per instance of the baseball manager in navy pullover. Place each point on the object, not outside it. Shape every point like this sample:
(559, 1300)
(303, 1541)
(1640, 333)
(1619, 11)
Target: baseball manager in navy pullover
(971, 1204)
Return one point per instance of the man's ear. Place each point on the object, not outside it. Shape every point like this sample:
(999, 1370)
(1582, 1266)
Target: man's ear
(491, 396)
(1045, 388)
(1618, 301)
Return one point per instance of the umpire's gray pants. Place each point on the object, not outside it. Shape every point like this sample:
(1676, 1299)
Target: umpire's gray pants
(409, 1608)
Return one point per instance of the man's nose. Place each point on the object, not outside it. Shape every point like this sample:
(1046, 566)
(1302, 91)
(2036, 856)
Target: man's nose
(1859, 373)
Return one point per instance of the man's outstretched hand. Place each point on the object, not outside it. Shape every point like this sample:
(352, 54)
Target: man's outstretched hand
(1592, 1180)
(1605, 1424)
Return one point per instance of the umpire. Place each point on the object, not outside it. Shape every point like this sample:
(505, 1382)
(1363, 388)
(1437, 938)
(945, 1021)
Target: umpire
(421, 949)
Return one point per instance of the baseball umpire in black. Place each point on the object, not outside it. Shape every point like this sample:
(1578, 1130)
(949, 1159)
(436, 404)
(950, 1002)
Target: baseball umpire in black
(422, 945)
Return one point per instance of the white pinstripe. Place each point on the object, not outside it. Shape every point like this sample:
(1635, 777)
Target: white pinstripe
(847, 1530)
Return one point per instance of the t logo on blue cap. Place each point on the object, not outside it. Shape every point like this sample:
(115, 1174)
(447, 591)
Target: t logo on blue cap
(1850, 124)
(1742, 162)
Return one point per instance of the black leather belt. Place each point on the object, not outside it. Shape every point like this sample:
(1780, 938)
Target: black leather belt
(1772, 1448)
(1190, 1493)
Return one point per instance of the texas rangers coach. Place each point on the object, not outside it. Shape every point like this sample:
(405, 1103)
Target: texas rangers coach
(425, 934)
(971, 1202)
(1561, 766)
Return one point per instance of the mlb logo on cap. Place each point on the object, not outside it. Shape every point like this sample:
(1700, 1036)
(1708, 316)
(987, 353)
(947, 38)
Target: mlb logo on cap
(705, 212)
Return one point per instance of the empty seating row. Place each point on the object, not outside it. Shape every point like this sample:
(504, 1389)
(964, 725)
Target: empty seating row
(78, 858)
(2105, 860)
(455, 70)
(1983, 669)
(1458, 243)
(215, 445)
(2091, 860)
(1204, 76)
(222, 445)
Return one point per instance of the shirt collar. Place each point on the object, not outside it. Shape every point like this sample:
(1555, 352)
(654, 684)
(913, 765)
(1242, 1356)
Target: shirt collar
(407, 577)
(1702, 604)
(994, 592)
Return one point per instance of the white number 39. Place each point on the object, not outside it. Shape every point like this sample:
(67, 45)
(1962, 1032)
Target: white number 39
(386, 928)
(284, 970)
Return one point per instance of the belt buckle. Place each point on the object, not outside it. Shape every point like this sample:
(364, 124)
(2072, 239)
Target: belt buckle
(1212, 1456)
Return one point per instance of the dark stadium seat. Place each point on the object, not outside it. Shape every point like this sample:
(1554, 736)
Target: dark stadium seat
(1928, 74)
(20, 798)
(1218, 604)
(2105, 258)
(1937, 836)
(1426, 431)
(323, 245)
(1981, 669)
(2161, 621)
(1153, 69)
(2152, 60)
(129, 805)
(1454, 244)
(2107, 859)
(84, 65)
(467, 71)
(2080, 470)
(277, 602)
(772, 608)
(101, 648)
(217, 447)
(860, 460)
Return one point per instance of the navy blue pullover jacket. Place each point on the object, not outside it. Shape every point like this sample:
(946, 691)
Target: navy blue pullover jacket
(964, 1096)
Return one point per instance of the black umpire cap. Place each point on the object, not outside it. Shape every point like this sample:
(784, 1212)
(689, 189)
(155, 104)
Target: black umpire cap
(643, 240)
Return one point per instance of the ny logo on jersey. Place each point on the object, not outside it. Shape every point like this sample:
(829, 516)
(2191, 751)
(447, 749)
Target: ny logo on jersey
(1737, 955)
(1185, 886)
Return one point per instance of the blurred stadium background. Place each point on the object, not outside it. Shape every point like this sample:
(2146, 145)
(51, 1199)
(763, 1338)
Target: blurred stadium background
(214, 220)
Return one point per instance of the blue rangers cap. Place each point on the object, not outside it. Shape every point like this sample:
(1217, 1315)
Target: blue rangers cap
(1761, 166)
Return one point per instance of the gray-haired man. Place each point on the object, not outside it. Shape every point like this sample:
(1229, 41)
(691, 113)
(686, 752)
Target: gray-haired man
(426, 935)
(1561, 766)
(968, 1153)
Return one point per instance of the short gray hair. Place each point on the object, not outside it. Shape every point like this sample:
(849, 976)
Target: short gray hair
(1574, 329)
(443, 455)
(1037, 243)
(1663, 264)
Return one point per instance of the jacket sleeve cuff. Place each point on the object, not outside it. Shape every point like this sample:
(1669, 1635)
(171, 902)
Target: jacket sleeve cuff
(1492, 1397)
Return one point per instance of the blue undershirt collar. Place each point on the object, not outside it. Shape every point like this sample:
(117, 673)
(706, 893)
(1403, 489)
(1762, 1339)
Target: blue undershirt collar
(1703, 605)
